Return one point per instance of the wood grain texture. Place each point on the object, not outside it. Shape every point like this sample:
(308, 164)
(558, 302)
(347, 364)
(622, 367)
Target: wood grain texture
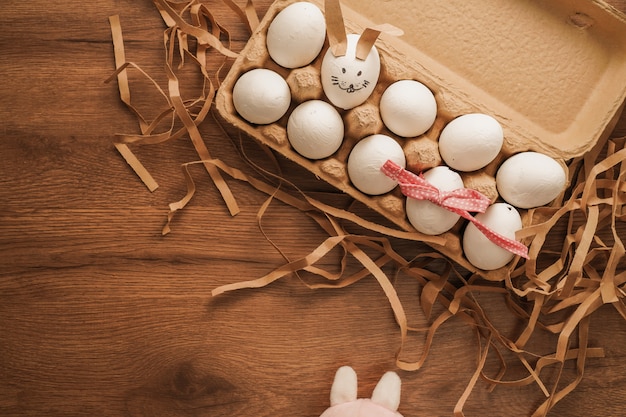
(101, 315)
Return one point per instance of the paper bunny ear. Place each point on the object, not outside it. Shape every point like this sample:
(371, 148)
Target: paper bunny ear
(335, 28)
(344, 387)
(387, 391)
(338, 39)
(370, 35)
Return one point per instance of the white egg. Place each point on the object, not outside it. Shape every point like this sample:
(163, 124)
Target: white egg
(261, 96)
(428, 217)
(315, 129)
(366, 159)
(530, 179)
(408, 108)
(481, 252)
(346, 80)
(296, 35)
(471, 141)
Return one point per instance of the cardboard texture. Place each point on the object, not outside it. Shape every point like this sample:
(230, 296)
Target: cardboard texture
(546, 71)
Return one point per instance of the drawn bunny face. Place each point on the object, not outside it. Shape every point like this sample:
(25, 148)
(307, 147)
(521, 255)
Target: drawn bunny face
(351, 79)
(343, 396)
(347, 80)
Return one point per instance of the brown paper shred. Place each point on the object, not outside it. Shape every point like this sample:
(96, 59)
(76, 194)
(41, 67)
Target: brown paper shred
(247, 14)
(286, 269)
(590, 270)
(458, 408)
(203, 37)
(198, 143)
(137, 166)
(122, 82)
(206, 31)
(459, 302)
(581, 357)
(432, 288)
(555, 291)
(191, 125)
(271, 157)
(305, 203)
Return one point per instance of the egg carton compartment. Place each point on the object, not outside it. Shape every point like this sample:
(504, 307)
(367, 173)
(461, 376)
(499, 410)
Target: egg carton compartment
(456, 94)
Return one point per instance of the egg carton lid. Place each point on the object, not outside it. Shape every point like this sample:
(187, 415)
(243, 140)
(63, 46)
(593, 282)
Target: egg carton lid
(554, 72)
(554, 75)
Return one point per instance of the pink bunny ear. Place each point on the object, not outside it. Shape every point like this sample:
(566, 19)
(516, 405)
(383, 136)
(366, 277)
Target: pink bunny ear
(337, 37)
(344, 387)
(387, 391)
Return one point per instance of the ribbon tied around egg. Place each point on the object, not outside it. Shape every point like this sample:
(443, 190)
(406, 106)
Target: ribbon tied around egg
(460, 201)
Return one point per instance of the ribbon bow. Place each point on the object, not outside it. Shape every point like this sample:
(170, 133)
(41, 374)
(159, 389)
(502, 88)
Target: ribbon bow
(460, 201)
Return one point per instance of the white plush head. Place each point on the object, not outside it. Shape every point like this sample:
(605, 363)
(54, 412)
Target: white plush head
(344, 402)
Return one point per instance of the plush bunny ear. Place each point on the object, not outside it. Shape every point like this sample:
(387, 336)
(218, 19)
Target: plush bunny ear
(344, 387)
(387, 391)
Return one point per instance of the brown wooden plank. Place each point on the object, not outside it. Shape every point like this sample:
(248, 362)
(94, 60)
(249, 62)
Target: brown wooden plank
(101, 315)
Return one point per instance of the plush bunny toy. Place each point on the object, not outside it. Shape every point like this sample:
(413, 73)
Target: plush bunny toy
(343, 396)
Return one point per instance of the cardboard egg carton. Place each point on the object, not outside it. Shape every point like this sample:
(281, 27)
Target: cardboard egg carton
(552, 73)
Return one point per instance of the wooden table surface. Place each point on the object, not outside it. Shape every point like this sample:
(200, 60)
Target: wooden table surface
(102, 315)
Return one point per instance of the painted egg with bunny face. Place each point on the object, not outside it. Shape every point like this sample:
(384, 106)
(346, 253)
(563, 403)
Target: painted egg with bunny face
(347, 80)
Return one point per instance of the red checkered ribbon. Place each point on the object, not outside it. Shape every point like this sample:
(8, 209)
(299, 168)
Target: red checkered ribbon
(460, 201)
